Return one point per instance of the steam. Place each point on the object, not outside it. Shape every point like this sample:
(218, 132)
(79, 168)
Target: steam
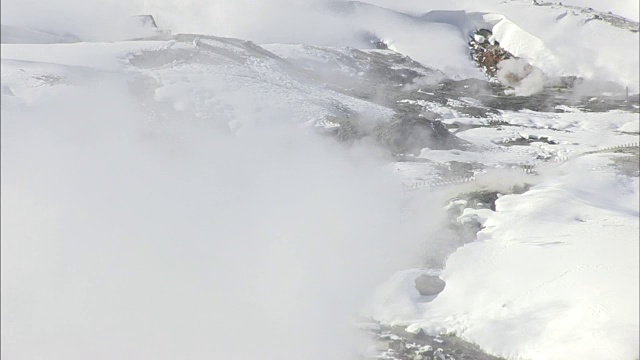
(287, 21)
(128, 239)
(109, 20)
(429, 80)
(102, 20)
(525, 79)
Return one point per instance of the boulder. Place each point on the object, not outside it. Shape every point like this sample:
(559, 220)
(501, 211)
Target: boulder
(429, 285)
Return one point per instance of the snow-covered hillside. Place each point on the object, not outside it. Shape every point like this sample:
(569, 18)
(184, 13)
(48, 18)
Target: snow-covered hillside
(252, 179)
(560, 39)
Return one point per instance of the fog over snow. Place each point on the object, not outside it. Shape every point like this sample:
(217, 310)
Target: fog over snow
(124, 238)
(181, 195)
(553, 39)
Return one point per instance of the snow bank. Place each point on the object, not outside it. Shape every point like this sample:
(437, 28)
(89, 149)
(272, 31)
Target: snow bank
(521, 43)
(630, 127)
(554, 272)
(562, 43)
(554, 39)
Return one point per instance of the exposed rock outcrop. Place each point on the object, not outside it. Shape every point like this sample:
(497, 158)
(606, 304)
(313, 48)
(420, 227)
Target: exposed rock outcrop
(429, 285)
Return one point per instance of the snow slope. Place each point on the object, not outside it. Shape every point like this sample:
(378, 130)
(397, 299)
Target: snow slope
(557, 39)
(553, 274)
(228, 74)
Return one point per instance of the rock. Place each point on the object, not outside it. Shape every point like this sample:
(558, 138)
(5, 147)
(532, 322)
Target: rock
(487, 52)
(429, 285)
(416, 333)
(409, 133)
(484, 32)
(426, 348)
(439, 354)
(398, 345)
(425, 352)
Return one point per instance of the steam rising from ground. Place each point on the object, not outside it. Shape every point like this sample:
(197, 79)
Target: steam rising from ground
(183, 240)
(90, 21)
(525, 79)
(108, 19)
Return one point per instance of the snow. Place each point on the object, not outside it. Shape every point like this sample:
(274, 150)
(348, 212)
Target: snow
(148, 144)
(574, 132)
(263, 80)
(561, 43)
(101, 56)
(436, 34)
(630, 127)
(550, 38)
(433, 44)
(626, 8)
(554, 271)
(577, 291)
(18, 35)
(479, 38)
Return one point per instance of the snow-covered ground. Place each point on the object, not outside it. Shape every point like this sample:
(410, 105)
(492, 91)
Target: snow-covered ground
(180, 196)
(554, 272)
(557, 39)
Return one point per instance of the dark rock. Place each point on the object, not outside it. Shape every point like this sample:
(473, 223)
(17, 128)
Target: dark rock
(398, 345)
(429, 285)
(527, 141)
(487, 54)
(146, 21)
(408, 134)
(426, 347)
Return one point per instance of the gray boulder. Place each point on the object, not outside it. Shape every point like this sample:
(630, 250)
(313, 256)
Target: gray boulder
(429, 285)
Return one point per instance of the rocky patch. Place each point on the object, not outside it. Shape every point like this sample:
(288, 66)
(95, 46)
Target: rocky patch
(487, 52)
(527, 140)
(395, 343)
